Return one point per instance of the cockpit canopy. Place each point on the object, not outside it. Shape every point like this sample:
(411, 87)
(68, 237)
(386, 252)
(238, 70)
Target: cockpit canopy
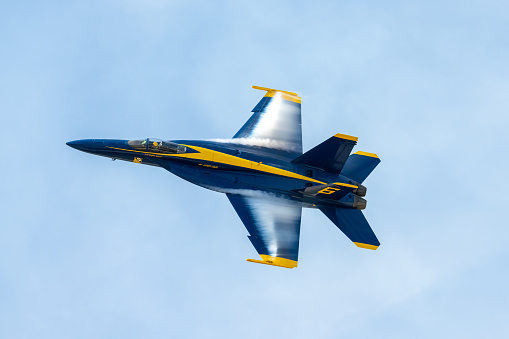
(157, 146)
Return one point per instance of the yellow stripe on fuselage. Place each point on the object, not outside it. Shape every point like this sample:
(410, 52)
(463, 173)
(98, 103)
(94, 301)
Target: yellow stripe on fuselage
(346, 185)
(206, 154)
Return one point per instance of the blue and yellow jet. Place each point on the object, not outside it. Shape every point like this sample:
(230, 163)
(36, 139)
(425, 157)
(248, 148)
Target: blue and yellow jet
(265, 175)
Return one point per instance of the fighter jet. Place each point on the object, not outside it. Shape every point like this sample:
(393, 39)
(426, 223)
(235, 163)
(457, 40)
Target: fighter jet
(266, 176)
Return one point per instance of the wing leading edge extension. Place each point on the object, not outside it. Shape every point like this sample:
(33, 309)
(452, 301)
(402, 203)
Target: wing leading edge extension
(273, 225)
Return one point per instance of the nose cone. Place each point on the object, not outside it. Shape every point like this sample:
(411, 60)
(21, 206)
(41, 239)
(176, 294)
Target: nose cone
(86, 145)
(94, 146)
(111, 148)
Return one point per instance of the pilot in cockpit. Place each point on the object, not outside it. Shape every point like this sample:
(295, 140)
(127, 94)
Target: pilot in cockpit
(156, 145)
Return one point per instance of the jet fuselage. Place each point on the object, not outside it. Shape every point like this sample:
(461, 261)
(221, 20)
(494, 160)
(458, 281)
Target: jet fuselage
(227, 167)
(266, 176)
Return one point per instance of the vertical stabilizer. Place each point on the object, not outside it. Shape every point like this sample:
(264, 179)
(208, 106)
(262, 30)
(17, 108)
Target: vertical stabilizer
(329, 156)
(360, 165)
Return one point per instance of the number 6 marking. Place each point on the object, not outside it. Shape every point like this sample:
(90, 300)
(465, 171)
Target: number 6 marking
(328, 190)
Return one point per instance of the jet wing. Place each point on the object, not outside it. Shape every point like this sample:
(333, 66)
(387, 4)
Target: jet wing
(273, 225)
(275, 123)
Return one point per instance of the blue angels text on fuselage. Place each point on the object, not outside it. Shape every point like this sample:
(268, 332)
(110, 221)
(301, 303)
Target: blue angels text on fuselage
(265, 175)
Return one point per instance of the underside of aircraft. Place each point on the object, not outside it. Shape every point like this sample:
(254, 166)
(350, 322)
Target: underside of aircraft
(266, 176)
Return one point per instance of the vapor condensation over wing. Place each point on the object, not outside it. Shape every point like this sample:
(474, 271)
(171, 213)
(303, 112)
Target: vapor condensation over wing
(278, 222)
(273, 223)
(276, 119)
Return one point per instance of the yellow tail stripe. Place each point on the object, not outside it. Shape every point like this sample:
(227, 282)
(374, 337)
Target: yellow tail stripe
(347, 137)
(373, 155)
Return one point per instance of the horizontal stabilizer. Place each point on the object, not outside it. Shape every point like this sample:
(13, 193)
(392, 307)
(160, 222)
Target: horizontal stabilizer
(330, 155)
(354, 225)
(360, 165)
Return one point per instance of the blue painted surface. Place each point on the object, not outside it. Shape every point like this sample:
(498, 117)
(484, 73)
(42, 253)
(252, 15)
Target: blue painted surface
(273, 219)
(225, 176)
(359, 167)
(329, 156)
(352, 223)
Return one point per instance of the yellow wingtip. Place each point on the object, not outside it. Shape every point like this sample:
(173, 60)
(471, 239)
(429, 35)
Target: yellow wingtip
(273, 90)
(274, 261)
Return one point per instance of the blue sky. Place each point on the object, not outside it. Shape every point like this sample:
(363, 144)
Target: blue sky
(95, 248)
